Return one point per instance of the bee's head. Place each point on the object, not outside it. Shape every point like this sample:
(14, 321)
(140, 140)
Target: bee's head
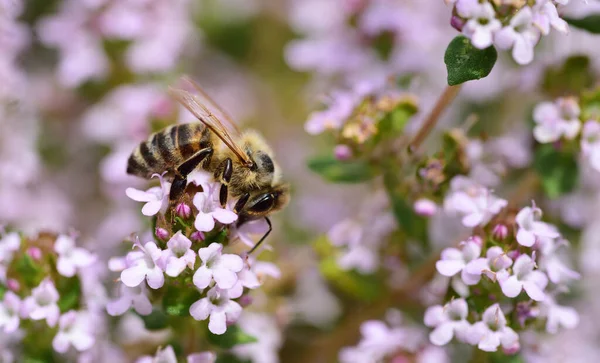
(265, 202)
(264, 171)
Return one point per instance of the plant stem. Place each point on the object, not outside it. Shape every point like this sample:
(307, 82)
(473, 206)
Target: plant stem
(429, 124)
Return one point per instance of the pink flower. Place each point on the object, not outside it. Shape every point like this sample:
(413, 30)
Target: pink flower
(9, 244)
(223, 268)
(475, 203)
(71, 258)
(454, 261)
(166, 355)
(203, 357)
(340, 107)
(590, 143)
(448, 320)
(556, 119)
(557, 316)
(74, 329)
(495, 260)
(144, 264)
(551, 263)
(217, 307)
(179, 255)
(265, 328)
(42, 304)
(482, 23)
(130, 296)
(521, 35)
(546, 15)
(156, 198)
(524, 277)
(10, 310)
(210, 210)
(531, 229)
(425, 207)
(491, 331)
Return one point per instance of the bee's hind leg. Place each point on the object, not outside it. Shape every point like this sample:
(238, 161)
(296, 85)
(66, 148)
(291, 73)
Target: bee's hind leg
(182, 171)
(225, 170)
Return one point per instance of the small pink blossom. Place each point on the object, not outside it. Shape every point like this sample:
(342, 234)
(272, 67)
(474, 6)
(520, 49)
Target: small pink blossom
(556, 119)
(557, 316)
(524, 277)
(454, 261)
(10, 310)
(203, 357)
(520, 35)
(218, 308)
(590, 143)
(448, 320)
(165, 355)
(179, 255)
(144, 263)
(9, 244)
(42, 304)
(475, 203)
(71, 258)
(425, 207)
(551, 262)
(74, 329)
(183, 210)
(223, 268)
(130, 296)
(495, 261)
(491, 331)
(482, 23)
(546, 16)
(342, 152)
(210, 210)
(531, 229)
(156, 198)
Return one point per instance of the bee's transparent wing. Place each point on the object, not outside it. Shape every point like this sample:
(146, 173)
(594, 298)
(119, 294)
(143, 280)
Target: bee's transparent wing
(214, 108)
(194, 104)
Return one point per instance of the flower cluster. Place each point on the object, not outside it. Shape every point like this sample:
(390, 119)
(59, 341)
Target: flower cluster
(42, 294)
(514, 265)
(508, 24)
(186, 256)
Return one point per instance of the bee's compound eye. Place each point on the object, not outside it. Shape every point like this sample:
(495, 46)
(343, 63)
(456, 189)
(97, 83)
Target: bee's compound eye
(263, 204)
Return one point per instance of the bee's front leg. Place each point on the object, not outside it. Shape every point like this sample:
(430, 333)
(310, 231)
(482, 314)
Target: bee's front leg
(182, 171)
(225, 169)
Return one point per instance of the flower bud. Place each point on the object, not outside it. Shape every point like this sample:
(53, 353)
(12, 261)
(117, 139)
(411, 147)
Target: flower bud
(161, 233)
(477, 240)
(245, 300)
(13, 285)
(35, 253)
(425, 207)
(513, 254)
(197, 236)
(342, 152)
(513, 349)
(183, 210)
(500, 232)
(457, 23)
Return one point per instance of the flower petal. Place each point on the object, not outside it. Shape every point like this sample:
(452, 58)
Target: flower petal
(204, 222)
(142, 305)
(155, 278)
(200, 310)
(151, 208)
(202, 277)
(442, 335)
(533, 290)
(217, 323)
(119, 306)
(511, 287)
(224, 216)
(449, 267)
(224, 278)
(133, 276)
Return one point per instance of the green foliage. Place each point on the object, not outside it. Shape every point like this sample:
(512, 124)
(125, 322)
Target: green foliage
(384, 44)
(590, 23)
(70, 292)
(358, 286)
(177, 301)
(232, 337)
(28, 270)
(464, 62)
(570, 78)
(336, 171)
(590, 104)
(557, 169)
(230, 358)
(393, 123)
(157, 320)
(499, 357)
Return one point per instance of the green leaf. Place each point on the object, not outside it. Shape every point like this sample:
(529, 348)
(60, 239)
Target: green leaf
(590, 104)
(362, 287)
(69, 291)
(572, 77)
(157, 320)
(557, 169)
(230, 358)
(590, 23)
(333, 170)
(232, 337)
(465, 63)
(177, 300)
(393, 123)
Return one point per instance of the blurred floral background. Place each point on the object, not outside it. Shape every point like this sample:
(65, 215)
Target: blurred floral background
(337, 88)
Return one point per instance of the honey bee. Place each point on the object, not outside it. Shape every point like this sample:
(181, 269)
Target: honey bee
(242, 162)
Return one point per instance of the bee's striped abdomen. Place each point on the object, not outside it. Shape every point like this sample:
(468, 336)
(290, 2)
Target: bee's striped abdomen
(166, 149)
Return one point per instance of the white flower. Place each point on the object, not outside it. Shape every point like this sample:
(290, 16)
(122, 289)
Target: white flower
(495, 260)
(531, 229)
(223, 268)
(265, 329)
(218, 308)
(482, 23)
(475, 203)
(552, 264)
(546, 15)
(590, 143)
(130, 296)
(524, 278)
(156, 198)
(556, 119)
(166, 355)
(454, 261)
(9, 312)
(448, 320)
(557, 316)
(210, 210)
(144, 264)
(491, 331)
(521, 35)
(70, 258)
(203, 357)
(74, 329)
(179, 255)
(9, 243)
(42, 303)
